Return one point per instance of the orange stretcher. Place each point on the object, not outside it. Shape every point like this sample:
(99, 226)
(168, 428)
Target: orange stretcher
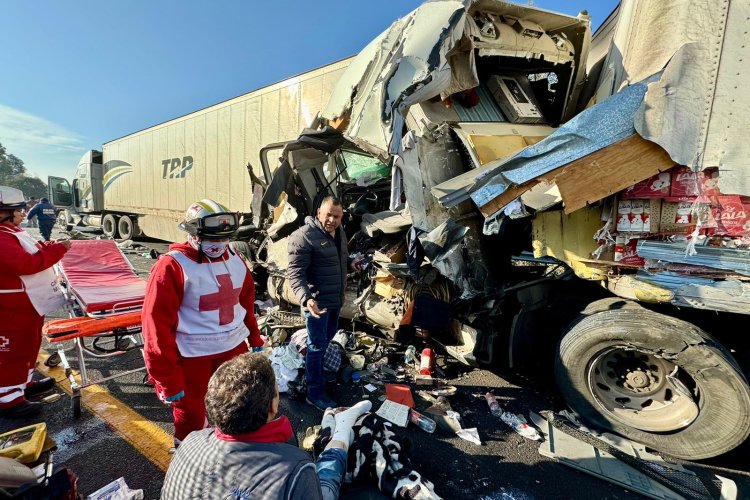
(105, 296)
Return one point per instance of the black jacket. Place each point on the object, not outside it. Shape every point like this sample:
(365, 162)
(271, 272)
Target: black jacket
(317, 264)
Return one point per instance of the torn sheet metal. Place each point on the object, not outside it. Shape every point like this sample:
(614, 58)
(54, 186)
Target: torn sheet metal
(731, 259)
(431, 52)
(696, 111)
(580, 455)
(606, 123)
(702, 293)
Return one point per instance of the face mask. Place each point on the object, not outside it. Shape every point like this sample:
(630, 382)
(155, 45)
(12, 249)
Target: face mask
(214, 249)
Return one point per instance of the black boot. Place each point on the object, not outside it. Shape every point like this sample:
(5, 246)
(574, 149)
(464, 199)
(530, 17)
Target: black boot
(24, 409)
(39, 386)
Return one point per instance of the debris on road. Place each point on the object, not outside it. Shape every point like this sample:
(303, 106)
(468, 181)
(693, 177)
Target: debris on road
(516, 422)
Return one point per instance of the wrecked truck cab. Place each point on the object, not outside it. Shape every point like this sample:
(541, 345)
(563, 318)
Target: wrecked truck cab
(506, 209)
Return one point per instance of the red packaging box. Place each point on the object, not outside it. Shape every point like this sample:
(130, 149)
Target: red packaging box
(732, 214)
(657, 186)
(687, 183)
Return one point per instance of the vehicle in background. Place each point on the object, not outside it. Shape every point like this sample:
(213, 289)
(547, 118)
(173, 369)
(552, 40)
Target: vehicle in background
(141, 183)
(509, 202)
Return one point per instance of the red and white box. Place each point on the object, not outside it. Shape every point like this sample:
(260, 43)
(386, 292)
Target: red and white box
(626, 251)
(732, 214)
(687, 183)
(638, 216)
(657, 186)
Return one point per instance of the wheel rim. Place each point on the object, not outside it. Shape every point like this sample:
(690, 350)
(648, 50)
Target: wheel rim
(641, 390)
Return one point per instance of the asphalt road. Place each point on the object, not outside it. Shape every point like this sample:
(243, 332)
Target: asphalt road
(505, 466)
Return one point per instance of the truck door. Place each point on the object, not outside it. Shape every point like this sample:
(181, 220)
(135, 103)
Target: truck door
(60, 192)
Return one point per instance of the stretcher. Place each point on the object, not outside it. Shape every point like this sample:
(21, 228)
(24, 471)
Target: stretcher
(104, 301)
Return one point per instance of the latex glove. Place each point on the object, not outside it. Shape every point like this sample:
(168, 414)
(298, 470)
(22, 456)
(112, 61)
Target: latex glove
(345, 420)
(170, 400)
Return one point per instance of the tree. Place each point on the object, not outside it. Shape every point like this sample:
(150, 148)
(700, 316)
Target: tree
(13, 174)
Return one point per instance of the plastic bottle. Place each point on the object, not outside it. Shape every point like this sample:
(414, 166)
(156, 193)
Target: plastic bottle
(424, 423)
(410, 356)
(425, 365)
(494, 405)
(355, 378)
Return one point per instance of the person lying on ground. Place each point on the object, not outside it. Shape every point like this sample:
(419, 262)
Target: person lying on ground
(248, 454)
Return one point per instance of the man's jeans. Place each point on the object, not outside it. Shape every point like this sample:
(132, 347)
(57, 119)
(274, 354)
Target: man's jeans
(331, 465)
(320, 331)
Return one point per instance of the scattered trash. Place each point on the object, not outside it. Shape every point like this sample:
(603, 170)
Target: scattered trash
(116, 490)
(447, 390)
(371, 388)
(471, 435)
(516, 422)
(423, 422)
(427, 361)
(399, 393)
(410, 355)
(394, 412)
(573, 418)
(357, 361)
(51, 398)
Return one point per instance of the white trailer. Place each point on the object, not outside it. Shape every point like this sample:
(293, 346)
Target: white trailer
(140, 184)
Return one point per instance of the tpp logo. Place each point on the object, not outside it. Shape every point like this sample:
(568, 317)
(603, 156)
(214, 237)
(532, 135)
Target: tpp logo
(4, 343)
(176, 168)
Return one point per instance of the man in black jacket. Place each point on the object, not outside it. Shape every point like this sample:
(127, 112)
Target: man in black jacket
(318, 261)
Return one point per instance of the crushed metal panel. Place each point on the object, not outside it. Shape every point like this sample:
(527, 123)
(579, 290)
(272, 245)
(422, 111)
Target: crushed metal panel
(731, 259)
(595, 176)
(702, 293)
(595, 128)
(697, 112)
(569, 238)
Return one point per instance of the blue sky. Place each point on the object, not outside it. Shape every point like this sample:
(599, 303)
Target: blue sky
(78, 74)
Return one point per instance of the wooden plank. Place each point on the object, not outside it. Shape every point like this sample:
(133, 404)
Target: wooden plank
(595, 176)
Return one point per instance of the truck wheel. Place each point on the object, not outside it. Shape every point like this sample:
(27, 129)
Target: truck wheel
(63, 220)
(128, 228)
(657, 380)
(109, 226)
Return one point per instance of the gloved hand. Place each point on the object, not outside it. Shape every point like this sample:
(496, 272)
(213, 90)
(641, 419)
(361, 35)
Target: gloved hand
(170, 400)
(344, 421)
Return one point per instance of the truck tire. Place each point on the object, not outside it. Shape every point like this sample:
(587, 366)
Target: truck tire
(128, 228)
(655, 379)
(109, 226)
(63, 220)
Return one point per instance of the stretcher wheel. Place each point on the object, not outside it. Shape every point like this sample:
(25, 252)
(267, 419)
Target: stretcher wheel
(53, 360)
(75, 405)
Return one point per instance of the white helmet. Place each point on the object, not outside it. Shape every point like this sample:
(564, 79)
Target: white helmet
(210, 219)
(11, 198)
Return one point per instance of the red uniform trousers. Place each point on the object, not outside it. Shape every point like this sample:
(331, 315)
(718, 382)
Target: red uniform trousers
(190, 411)
(20, 339)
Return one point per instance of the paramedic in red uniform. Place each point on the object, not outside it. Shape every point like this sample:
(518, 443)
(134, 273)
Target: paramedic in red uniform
(198, 312)
(28, 290)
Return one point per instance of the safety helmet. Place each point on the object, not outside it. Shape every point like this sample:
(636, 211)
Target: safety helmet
(11, 198)
(210, 219)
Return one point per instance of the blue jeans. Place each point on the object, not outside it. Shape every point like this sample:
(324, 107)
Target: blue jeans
(331, 465)
(320, 331)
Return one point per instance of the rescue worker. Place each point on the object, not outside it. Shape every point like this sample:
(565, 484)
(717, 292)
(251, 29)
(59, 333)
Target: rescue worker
(198, 313)
(28, 290)
(29, 205)
(44, 211)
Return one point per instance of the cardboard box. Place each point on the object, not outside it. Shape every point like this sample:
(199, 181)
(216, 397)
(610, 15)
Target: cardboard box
(388, 286)
(626, 251)
(687, 183)
(654, 187)
(395, 253)
(732, 215)
(638, 216)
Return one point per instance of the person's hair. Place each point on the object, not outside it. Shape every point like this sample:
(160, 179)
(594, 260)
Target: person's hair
(332, 200)
(240, 393)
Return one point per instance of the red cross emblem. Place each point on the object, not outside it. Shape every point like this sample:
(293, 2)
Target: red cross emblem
(224, 300)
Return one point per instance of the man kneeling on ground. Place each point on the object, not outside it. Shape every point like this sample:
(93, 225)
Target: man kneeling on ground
(247, 455)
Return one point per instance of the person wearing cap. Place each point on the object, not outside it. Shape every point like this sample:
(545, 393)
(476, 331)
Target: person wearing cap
(198, 312)
(28, 290)
(44, 211)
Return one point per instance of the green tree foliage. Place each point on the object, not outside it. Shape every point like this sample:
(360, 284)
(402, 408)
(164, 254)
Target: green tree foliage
(13, 173)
